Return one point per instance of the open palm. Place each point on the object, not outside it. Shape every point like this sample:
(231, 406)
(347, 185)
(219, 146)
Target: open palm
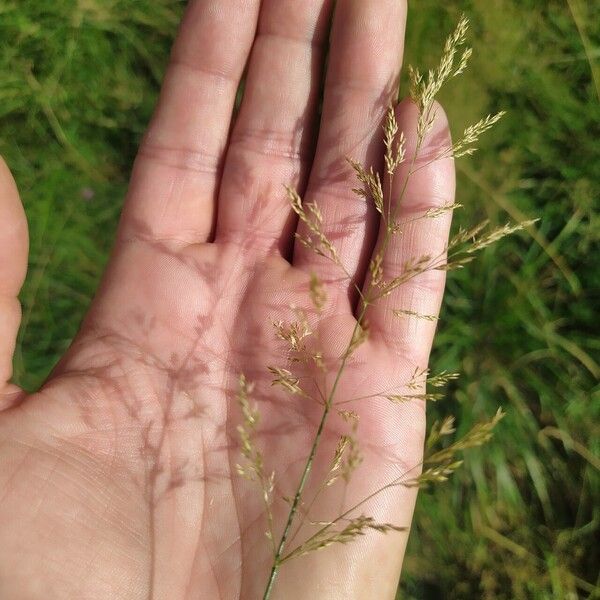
(118, 478)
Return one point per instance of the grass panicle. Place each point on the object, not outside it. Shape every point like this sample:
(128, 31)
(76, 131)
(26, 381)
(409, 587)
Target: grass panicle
(438, 464)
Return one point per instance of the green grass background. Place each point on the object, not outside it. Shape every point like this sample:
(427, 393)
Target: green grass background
(78, 80)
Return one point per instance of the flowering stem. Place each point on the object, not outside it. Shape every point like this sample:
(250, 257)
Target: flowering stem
(279, 554)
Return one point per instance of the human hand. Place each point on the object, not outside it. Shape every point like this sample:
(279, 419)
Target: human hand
(118, 478)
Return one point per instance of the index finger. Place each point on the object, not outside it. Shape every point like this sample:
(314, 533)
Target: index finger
(176, 176)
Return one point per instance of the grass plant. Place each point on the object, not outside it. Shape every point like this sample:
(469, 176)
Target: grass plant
(304, 358)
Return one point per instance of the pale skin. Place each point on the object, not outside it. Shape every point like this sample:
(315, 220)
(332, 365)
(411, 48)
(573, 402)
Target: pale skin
(118, 478)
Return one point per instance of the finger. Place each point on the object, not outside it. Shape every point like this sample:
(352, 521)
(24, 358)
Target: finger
(272, 142)
(175, 180)
(431, 185)
(13, 266)
(366, 54)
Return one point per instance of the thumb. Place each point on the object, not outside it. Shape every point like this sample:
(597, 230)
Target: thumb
(14, 244)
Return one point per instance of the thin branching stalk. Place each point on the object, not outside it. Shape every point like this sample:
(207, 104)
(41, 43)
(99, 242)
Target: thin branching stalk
(366, 301)
(377, 188)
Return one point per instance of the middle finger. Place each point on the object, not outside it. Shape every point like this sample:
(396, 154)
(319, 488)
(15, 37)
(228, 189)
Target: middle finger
(272, 142)
(367, 42)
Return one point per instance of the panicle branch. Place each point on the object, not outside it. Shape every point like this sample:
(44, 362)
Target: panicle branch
(294, 334)
(477, 436)
(287, 380)
(372, 184)
(425, 88)
(395, 146)
(443, 462)
(465, 244)
(355, 527)
(346, 459)
(471, 135)
(253, 468)
(310, 214)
